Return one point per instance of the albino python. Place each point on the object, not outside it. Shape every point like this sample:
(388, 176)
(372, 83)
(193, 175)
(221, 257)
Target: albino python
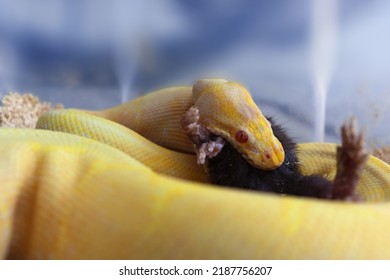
(124, 183)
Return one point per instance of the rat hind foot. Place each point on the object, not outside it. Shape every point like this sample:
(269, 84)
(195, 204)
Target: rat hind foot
(351, 158)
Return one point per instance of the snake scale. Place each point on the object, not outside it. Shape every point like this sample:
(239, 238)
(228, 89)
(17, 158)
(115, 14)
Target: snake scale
(123, 183)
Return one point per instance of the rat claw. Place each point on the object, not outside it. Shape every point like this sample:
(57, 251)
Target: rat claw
(351, 160)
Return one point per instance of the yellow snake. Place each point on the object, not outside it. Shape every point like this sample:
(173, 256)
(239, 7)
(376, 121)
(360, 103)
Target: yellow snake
(89, 185)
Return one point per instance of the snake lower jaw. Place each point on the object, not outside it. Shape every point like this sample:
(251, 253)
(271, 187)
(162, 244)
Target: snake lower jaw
(275, 164)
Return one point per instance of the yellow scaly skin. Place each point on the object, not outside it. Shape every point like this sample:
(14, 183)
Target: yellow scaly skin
(158, 158)
(71, 197)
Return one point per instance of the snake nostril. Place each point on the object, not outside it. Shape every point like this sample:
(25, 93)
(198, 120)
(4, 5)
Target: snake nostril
(267, 155)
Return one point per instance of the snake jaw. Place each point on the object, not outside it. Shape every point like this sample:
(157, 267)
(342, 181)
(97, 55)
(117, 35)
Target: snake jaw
(269, 159)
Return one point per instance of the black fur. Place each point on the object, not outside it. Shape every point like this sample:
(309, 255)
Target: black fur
(229, 168)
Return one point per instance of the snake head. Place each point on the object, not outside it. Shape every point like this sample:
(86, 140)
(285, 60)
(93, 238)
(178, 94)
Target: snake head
(227, 109)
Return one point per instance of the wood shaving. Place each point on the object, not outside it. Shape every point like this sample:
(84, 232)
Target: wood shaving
(22, 110)
(206, 144)
(210, 149)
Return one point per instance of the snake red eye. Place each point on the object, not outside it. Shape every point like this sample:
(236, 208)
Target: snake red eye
(241, 136)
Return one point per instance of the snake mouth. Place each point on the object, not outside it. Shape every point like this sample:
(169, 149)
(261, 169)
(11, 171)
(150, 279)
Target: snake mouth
(266, 157)
(267, 161)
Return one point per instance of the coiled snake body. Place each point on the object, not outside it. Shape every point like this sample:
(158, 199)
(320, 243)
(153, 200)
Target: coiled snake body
(87, 185)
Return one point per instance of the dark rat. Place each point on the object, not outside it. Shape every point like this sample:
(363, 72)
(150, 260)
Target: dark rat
(229, 168)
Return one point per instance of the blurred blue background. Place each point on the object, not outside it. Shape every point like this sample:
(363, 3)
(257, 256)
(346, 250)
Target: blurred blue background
(297, 57)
